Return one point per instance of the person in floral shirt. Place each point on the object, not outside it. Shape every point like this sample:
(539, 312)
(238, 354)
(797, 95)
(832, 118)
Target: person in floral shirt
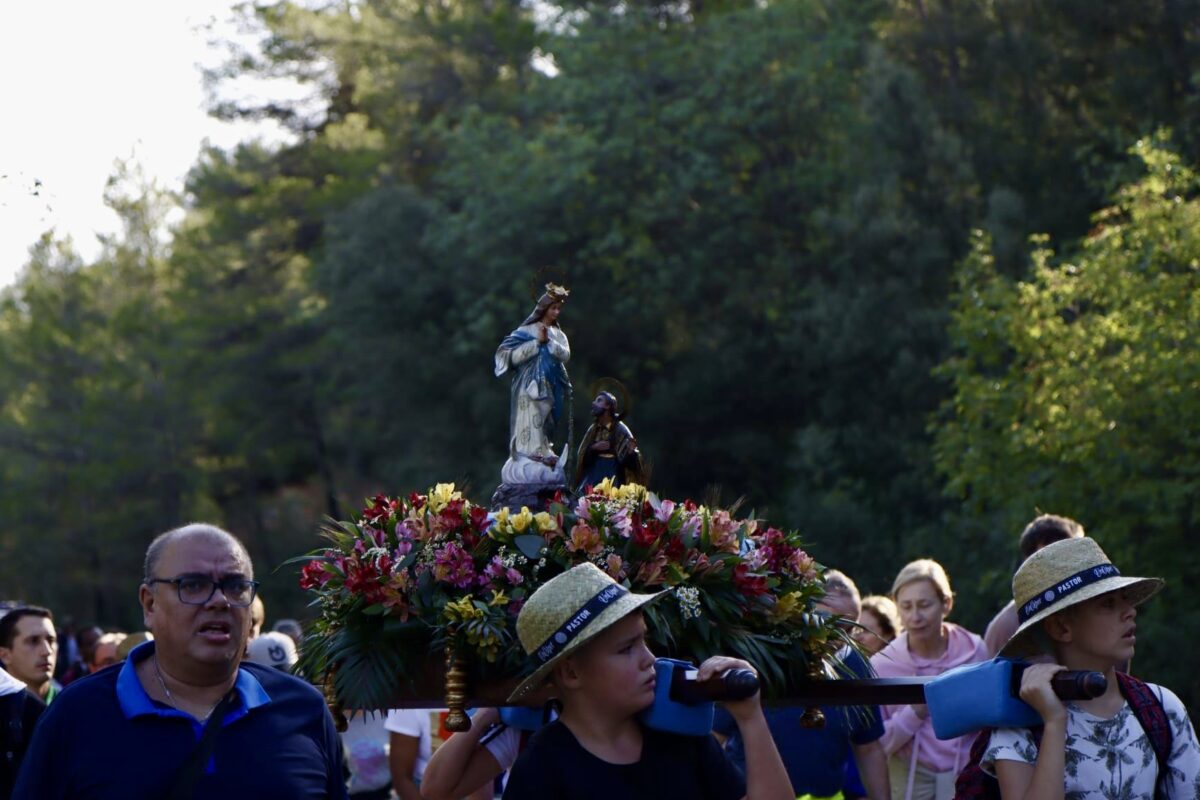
(1075, 605)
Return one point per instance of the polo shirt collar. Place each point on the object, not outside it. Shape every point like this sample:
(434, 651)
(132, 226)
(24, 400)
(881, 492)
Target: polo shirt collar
(135, 702)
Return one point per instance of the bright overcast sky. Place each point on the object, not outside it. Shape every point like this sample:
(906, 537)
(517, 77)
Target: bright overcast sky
(84, 83)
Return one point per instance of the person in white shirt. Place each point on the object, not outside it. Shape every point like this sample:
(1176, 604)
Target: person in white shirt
(410, 746)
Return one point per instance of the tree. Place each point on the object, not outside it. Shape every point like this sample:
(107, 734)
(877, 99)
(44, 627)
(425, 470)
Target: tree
(1070, 389)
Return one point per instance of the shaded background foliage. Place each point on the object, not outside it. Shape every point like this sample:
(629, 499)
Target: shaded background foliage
(798, 231)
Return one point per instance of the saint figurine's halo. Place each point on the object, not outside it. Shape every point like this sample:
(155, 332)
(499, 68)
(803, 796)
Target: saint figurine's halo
(617, 389)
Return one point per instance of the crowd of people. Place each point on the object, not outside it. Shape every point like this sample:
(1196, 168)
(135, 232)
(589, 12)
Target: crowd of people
(204, 700)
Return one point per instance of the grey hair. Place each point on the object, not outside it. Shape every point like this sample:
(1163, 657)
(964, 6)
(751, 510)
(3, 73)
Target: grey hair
(838, 582)
(155, 550)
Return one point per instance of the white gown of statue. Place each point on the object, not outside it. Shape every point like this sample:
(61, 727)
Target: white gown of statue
(531, 403)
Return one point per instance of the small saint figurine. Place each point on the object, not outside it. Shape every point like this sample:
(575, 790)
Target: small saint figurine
(608, 449)
(537, 353)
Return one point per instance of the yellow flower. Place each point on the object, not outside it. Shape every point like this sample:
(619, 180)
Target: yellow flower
(545, 522)
(787, 606)
(630, 492)
(499, 598)
(521, 521)
(462, 610)
(604, 487)
(441, 495)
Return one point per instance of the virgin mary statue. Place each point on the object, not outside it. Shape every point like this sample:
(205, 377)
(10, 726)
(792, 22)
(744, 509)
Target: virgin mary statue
(537, 353)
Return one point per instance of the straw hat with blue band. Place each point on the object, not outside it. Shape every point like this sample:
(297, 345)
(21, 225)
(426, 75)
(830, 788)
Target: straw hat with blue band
(566, 612)
(1061, 575)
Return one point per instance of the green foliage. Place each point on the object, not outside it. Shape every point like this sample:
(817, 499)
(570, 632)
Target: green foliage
(435, 573)
(765, 213)
(1071, 388)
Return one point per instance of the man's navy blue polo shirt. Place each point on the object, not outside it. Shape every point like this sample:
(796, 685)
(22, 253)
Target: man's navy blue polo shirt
(815, 758)
(105, 738)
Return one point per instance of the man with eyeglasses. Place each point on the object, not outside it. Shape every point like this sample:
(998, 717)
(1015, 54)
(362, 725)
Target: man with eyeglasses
(184, 716)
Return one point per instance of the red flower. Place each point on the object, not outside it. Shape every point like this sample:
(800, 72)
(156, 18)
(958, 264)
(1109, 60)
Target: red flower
(748, 583)
(479, 518)
(314, 575)
(674, 548)
(381, 508)
(644, 535)
(454, 509)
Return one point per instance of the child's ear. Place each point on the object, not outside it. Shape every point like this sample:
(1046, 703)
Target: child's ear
(567, 673)
(1057, 627)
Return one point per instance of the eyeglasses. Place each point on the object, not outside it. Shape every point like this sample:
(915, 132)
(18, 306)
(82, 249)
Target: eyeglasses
(197, 590)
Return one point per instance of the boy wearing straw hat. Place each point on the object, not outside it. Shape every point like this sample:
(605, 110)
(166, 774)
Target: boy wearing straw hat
(1073, 603)
(585, 632)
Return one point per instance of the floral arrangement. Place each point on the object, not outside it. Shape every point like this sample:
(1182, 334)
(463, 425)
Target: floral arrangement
(411, 576)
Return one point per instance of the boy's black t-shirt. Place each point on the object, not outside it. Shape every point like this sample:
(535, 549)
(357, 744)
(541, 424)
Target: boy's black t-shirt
(555, 765)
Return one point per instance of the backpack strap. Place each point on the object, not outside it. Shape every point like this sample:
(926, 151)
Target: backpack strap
(184, 787)
(14, 726)
(1151, 715)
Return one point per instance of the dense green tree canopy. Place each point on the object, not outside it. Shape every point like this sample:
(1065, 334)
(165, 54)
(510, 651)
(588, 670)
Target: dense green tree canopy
(765, 212)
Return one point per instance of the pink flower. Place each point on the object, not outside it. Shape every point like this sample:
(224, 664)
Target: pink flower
(757, 558)
(373, 534)
(615, 566)
(403, 549)
(622, 524)
(412, 528)
(664, 511)
(802, 564)
(452, 565)
(651, 572)
(723, 532)
(496, 570)
(582, 508)
(395, 594)
(585, 539)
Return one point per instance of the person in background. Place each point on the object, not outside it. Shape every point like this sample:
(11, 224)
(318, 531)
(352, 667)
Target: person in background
(76, 652)
(20, 710)
(272, 649)
(817, 759)
(1043, 530)
(410, 745)
(922, 766)
(104, 654)
(366, 741)
(130, 642)
(29, 649)
(292, 628)
(185, 716)
(878, 623)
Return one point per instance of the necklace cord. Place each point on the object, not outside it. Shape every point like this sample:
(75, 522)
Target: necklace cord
(171, 698)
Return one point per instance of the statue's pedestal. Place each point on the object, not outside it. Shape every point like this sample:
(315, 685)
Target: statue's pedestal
(535, 496)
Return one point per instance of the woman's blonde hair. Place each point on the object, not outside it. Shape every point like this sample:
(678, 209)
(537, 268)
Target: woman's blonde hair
(924, 569)
(884, 608)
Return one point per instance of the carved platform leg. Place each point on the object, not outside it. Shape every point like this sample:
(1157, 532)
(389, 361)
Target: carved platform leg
(813, 716)
(456, 692)
(331, 700)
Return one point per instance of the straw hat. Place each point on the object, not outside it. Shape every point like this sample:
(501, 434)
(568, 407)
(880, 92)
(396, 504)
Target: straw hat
(1061, 575)
(568, 611)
